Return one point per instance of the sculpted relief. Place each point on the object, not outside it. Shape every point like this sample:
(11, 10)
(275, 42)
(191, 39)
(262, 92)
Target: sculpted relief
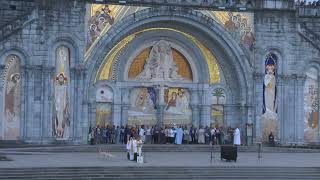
(160, 64)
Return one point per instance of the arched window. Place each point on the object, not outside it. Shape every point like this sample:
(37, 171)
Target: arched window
(311, 106)
(269, 112)
(269, 84)
(61, 118)
(12, 98)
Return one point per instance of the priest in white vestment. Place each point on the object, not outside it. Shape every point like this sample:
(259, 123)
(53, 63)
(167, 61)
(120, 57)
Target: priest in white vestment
(179, 134)
(236, 137)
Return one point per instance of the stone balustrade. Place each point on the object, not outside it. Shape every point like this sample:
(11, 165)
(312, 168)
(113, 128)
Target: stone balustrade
(311, 36)
(237, 5)
(17, 24)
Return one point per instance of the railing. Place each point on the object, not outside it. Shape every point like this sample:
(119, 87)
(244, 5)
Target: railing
(237, 5)
(308, 11)
(17, 24)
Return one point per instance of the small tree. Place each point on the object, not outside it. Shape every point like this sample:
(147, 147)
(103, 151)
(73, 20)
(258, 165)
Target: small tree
(219, 92)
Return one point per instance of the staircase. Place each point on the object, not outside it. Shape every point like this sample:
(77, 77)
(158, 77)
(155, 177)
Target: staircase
(17, 24)
(309, 35)
(79, 173)
(149, 148)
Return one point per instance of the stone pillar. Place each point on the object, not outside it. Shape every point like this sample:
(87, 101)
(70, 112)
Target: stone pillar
(116, 111)
(124, 115)
(205, 115)
(2, 68)
(124, 106)
(160, 115)
(205, 107)
(194, 104)
(195, 115)
(283, 113)
(300, 109)
(161, 105)
(92, 113)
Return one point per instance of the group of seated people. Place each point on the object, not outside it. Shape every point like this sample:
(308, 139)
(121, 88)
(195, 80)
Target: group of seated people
(170, 134)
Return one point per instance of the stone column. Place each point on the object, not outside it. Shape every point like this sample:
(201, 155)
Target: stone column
(124, 106)
(258, 102)
(116, 111)
(300, 109)
(205, 107)
(2, 68)
(160, 115)
(92, 114)
(194, 104)
(160, 106)
(283, 113)
(195, 115)
(205, 115)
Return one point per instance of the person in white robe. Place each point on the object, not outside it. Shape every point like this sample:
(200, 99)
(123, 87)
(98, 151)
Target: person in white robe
(132, 148)
(142, 134)
(201, 136)
(139, 146)
(179, 134)
(236, 137)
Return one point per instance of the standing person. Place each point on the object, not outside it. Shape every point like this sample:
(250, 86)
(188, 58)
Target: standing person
(156, 135)
(148, 135)
(213, 135)
(122, 135)
(117, 135)
(179, 135)
(201, 135)
(195, 132)
(192, 134)
(236, 137)
(186, 135)
(166, 134)
(128, 133)
(218, 136)
(171, 135)
(142, 133)
(207, 135)
(113, 134)
(91, 136)
(105, 135)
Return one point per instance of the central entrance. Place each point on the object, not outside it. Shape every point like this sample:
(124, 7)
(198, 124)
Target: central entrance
(160, 104)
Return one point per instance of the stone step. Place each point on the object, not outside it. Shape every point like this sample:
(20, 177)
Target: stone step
(161, 173)
(151, 148)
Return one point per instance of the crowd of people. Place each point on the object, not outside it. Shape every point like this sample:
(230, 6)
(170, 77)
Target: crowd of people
(310, 4)
(173, 134)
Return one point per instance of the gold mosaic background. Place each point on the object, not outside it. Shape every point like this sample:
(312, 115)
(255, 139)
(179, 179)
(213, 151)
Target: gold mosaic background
(183, 66)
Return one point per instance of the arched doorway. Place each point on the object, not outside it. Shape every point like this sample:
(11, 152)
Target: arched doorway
(200, 45)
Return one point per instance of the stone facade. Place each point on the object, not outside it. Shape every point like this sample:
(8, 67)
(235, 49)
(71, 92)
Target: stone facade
(35, 29)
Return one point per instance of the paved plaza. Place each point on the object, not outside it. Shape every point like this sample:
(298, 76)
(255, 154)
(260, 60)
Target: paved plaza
(160, 159)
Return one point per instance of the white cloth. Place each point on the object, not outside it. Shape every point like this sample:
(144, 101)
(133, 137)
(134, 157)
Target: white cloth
(141, 134)
(201, 136)
(236, 138)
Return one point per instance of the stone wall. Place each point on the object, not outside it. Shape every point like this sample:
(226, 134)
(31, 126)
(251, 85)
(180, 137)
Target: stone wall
(63, 23)
(57, 23)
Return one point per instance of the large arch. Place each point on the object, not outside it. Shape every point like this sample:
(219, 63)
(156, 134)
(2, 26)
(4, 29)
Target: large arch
(230, 56)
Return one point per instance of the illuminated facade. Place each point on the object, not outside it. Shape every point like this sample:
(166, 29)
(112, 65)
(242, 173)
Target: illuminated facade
(72, 66)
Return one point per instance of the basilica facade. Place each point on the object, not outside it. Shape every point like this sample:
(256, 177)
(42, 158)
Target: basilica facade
(67, 66)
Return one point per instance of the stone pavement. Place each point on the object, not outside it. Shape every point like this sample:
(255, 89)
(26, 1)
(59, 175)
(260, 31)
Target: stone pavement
(186, 159)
